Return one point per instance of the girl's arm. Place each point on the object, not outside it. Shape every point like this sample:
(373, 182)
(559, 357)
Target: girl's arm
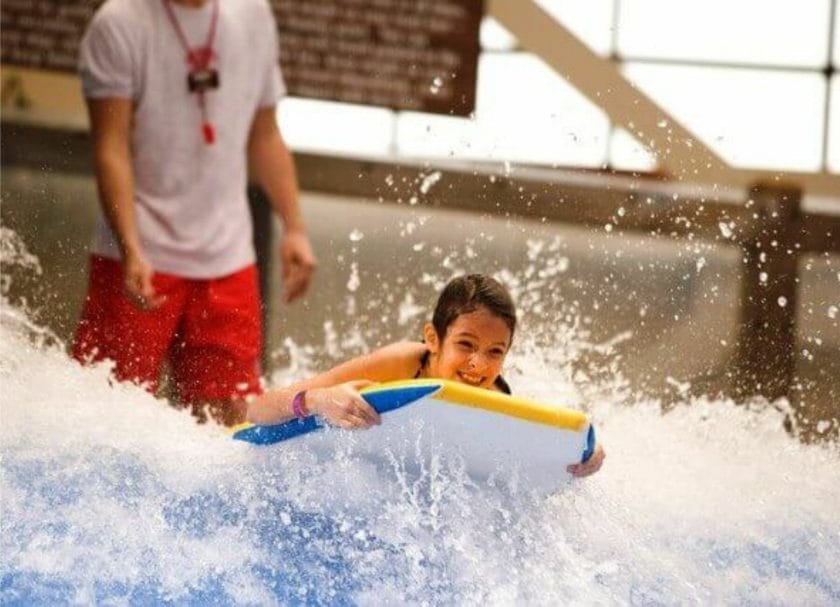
(334, 395)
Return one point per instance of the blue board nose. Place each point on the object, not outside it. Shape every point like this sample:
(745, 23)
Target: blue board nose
(268, 435)
(394, 398)
(381, 400)
(590, 445)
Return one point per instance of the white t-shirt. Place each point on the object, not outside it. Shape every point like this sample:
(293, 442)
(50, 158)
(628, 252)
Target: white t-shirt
(192, 210)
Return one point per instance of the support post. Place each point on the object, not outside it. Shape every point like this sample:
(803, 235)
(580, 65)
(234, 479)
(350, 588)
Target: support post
(263, 222)
(766, 355)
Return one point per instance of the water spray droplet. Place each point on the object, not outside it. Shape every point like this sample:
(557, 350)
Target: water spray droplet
(429, 181)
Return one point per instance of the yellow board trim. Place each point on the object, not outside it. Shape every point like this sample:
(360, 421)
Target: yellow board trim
(242, 426)
(497, 402)
(457, 393)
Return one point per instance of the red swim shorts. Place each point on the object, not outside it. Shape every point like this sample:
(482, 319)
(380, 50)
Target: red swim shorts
(209, 330)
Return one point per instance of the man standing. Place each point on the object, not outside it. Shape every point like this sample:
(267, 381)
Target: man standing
(181, 96)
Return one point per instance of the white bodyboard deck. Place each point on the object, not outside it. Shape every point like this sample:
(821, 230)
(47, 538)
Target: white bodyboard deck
(495, 434)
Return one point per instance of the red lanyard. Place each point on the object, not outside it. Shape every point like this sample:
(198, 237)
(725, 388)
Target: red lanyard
(199, 61)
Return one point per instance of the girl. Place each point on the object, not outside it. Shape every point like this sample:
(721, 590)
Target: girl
(470, 334)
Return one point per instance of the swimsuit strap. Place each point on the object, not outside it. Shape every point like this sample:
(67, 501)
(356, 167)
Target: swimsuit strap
(424, 359)
(503, 385)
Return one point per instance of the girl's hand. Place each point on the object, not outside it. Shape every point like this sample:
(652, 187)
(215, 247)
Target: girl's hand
(591, 466)
(343, 406)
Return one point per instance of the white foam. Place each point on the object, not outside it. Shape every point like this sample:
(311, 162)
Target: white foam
(109, 495)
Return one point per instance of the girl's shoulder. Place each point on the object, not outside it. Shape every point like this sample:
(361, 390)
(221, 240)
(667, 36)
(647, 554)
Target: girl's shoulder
(401, 359)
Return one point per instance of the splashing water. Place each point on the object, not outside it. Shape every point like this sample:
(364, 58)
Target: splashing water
(108, 495)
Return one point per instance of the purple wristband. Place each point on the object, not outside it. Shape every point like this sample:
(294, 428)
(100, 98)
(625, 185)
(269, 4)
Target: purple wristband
(299, 405)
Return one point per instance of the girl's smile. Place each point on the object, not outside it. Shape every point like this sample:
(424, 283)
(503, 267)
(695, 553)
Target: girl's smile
(473, 349)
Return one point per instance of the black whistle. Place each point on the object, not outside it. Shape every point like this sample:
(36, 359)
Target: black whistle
(199, 81)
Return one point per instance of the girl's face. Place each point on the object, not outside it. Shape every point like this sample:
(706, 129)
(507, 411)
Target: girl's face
(473, 349)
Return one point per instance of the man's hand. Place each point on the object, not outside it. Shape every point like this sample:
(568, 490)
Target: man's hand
(298, 263)
(138, 283)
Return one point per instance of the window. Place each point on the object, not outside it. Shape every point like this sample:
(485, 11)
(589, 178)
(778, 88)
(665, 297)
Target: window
(755, 32)
(750, 78)
(336, 128)
(833, 151)
(751, 118)
(524, 113)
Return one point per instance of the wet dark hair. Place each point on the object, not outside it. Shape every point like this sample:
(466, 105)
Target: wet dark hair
(468, 293)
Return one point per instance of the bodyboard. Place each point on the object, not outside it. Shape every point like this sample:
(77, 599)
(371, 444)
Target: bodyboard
(494, 433)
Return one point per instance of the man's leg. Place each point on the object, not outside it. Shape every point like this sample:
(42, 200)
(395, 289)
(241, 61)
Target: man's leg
(112, 327)
(216, 358)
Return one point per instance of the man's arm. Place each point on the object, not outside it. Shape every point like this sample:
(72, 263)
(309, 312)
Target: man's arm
(273, 168)
(110, 121)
